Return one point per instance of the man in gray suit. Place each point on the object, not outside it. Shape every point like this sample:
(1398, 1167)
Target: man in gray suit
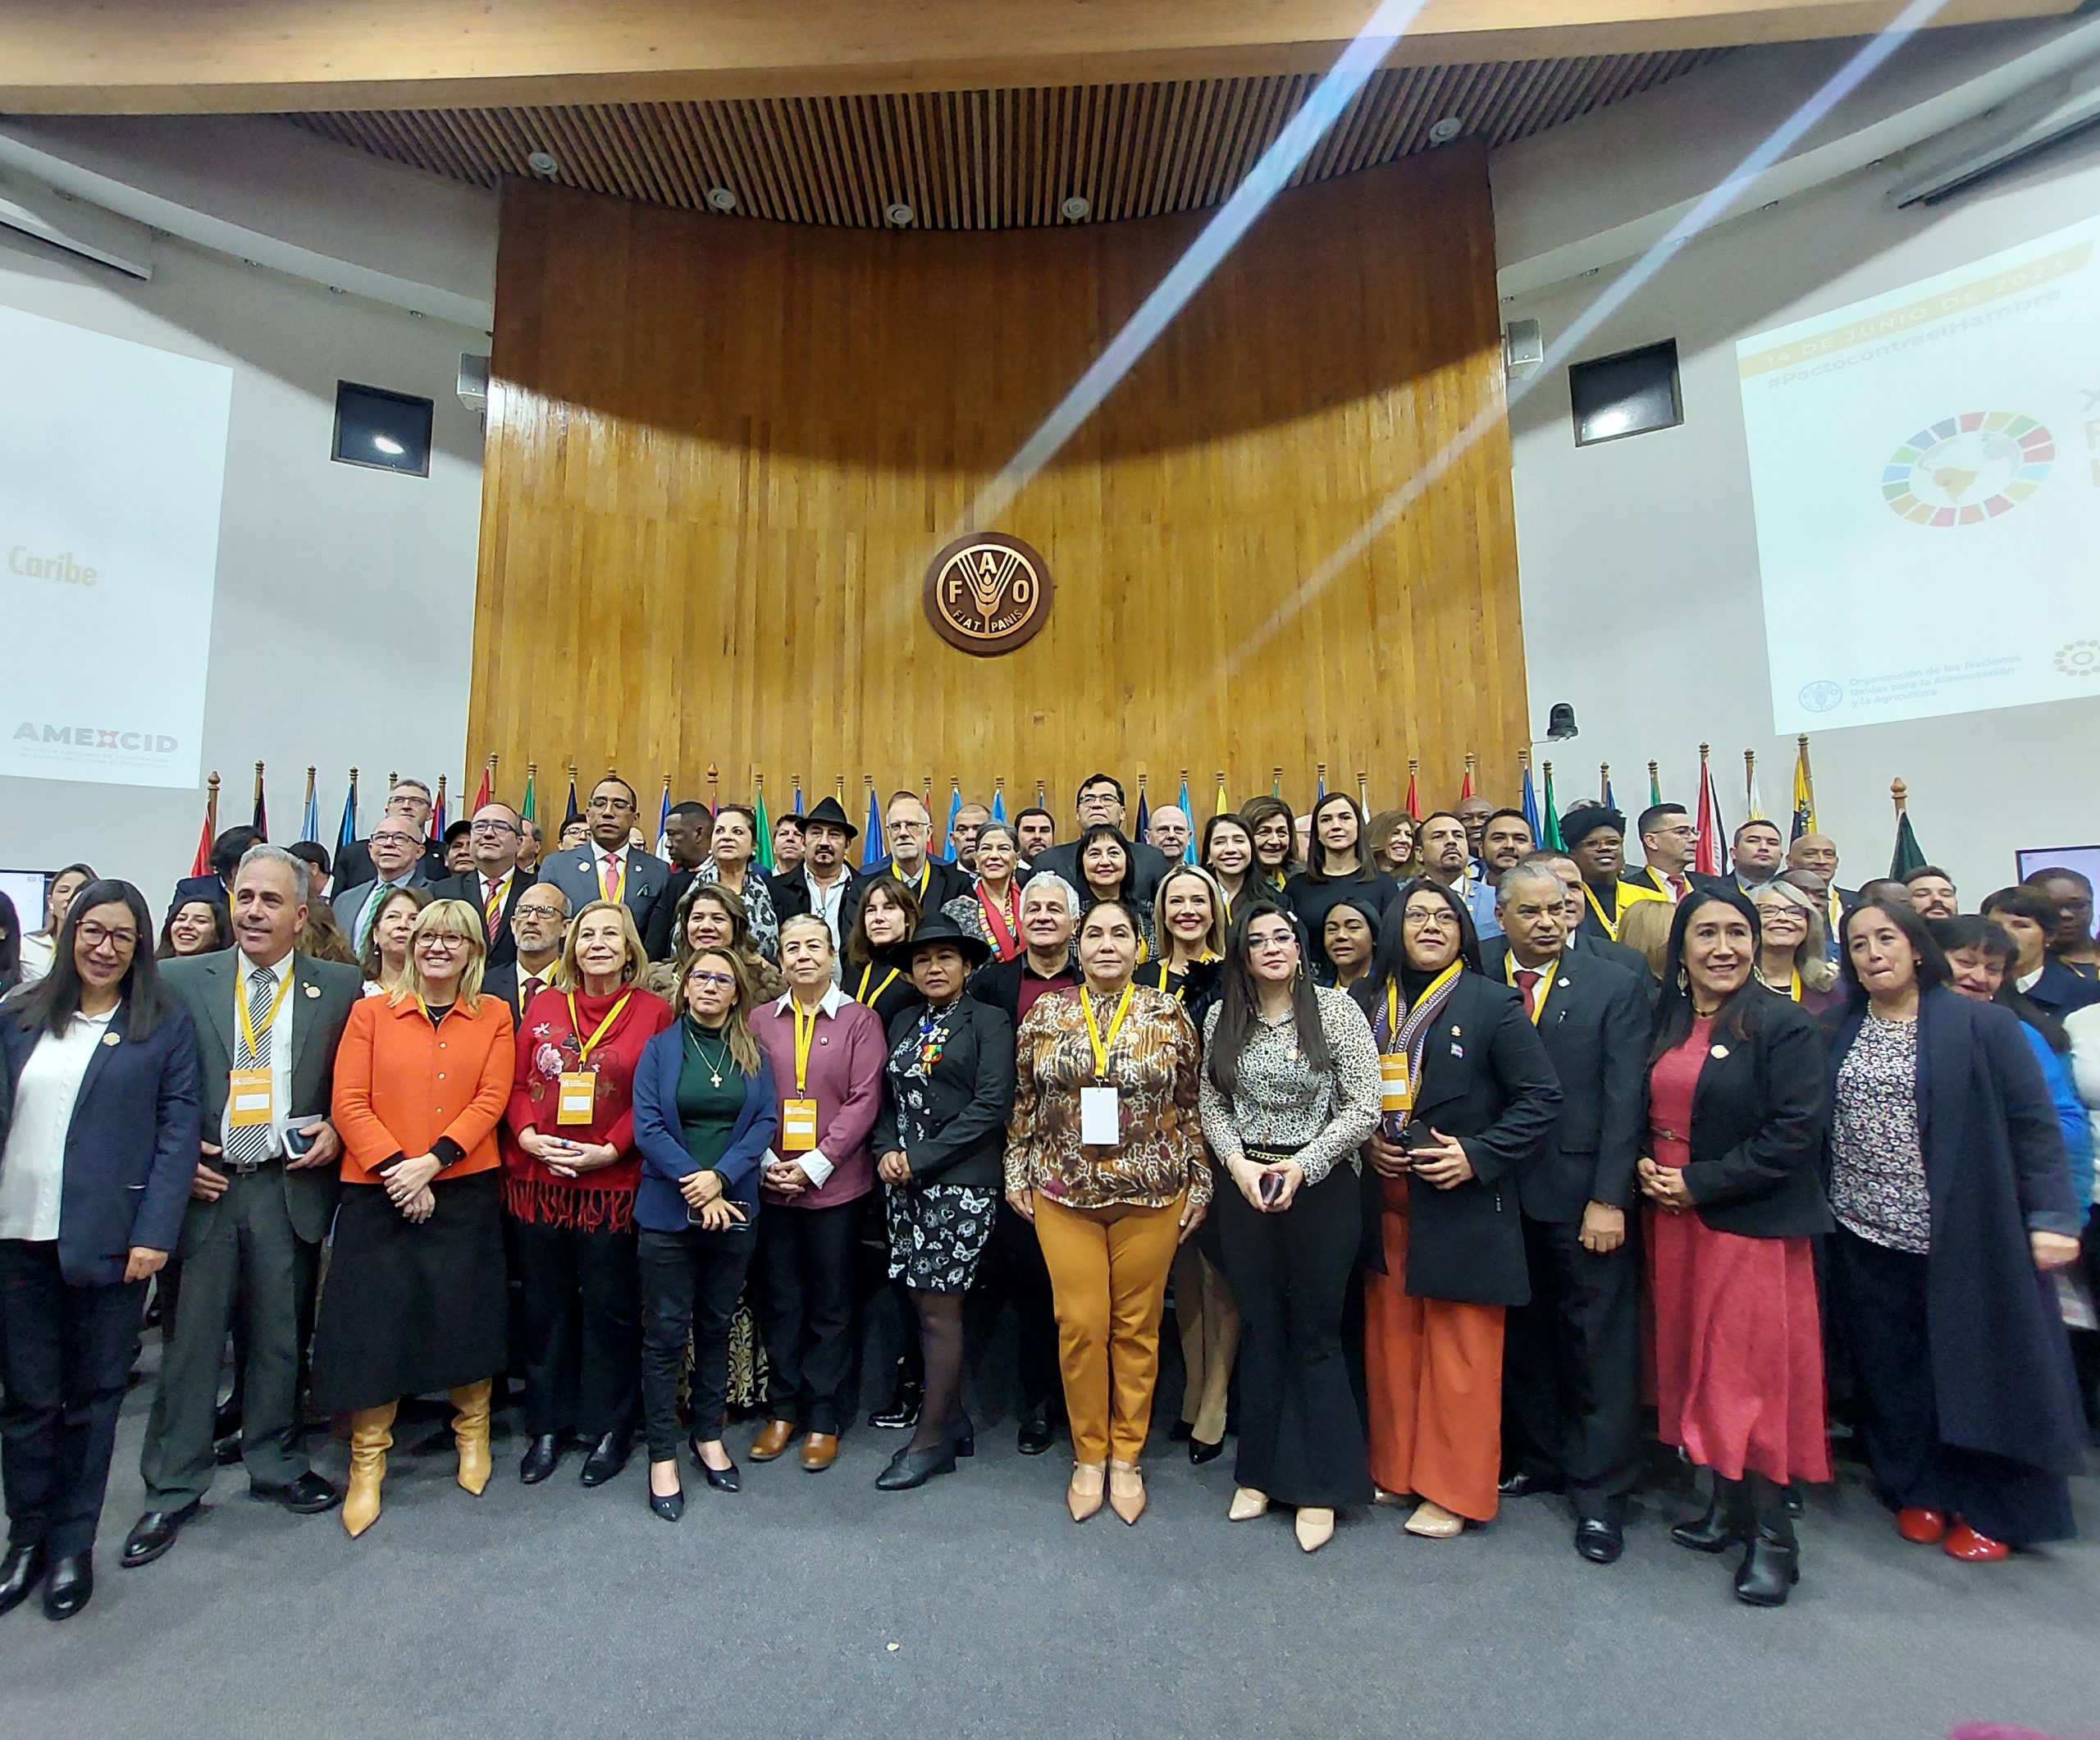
(269, 1021)
(609, 867)
(397, 856)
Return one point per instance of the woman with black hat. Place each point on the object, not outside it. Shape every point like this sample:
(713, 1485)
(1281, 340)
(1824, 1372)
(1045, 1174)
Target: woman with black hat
(947, 1087)
(1595, 839)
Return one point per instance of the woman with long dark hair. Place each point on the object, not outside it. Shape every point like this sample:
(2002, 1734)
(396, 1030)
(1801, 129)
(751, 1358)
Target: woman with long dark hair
(1737, 1095)
(1227, 852)
(1951, 1186)
(1107, 871)
(197, 926)
(1289, 1091)
(1338, 869)
(1468, 1095)
(99, 1107)
(888, 914)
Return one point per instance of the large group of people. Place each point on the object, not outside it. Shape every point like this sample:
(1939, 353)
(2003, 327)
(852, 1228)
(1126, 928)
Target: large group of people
(1472, 1169)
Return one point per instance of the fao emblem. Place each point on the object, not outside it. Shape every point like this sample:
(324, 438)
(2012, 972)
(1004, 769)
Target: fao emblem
(988, 593)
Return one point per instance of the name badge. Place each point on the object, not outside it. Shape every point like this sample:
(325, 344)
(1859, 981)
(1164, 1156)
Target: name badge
(578, 1097)
(1101, 1117)
(1395, 1089)
(247, 1097)
(798, 1125)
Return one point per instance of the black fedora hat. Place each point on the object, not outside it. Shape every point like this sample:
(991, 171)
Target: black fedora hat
(938, 927)
(829, 810)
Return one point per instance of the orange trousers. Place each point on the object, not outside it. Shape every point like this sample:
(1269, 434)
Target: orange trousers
(1108, 1281)
(1433, 1369)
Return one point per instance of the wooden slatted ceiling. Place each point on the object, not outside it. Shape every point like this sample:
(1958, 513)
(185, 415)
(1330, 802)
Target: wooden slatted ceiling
(990, 159)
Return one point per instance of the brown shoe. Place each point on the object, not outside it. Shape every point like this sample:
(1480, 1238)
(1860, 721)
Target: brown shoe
(819, 1449)
(777, 1436)
(1126, 1490)
(1083, 1497)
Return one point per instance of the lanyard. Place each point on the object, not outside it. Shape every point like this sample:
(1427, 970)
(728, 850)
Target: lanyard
(999, 924)
(1115, 1024)
(1609, 920)
(605, 1026)
(1393, 998)
(805, 1032)
(248, 1020)
(1542, 990)
(925, 874)
(861, 995)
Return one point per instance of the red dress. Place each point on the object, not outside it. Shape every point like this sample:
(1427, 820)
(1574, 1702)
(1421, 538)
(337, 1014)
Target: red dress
(1738, 1337)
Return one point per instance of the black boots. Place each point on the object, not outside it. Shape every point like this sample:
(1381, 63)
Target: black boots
(1753, 1510)
(902, 1414)
(1771, 1566)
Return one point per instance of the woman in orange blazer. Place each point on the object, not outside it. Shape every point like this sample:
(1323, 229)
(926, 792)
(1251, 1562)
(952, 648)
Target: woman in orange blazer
(415, 1295)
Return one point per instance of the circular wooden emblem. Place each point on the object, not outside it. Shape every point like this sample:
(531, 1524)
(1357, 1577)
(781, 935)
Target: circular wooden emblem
(988, 593)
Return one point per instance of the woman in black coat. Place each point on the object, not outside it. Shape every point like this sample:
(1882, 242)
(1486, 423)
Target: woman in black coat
(1950, 1184)
(947, 1088)
(1469, 1096)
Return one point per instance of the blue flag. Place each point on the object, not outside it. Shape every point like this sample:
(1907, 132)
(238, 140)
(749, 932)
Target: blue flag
(346, 835)
(1531, 808)
(998, 806)
(309, 827)
(954, 808)
(873, 853)
(797, 810)
(664, 825)
(1188, 852)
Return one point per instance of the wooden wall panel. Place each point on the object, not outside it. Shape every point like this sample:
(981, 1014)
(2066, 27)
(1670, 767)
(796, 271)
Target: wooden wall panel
(720, 456)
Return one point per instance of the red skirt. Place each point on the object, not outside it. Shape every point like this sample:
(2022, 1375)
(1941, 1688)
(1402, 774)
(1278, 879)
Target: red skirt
(1738, 1345)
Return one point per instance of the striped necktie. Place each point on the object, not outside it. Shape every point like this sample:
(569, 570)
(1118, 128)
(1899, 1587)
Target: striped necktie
(246, 1144)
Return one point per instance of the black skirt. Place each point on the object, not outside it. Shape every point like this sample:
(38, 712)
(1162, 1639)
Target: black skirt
(411, 1309)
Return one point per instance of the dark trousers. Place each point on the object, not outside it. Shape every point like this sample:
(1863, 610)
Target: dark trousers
(1301, 1437)
(241, 1259)
(1012, 1273)
(806, 1309)
(1571, 1376)
(690, 1283)
(64, 1353)
(580, 1294)
(1878, 1297)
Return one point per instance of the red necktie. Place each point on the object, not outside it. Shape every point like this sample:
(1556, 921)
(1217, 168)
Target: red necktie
(1528, 982)
(1679, 888)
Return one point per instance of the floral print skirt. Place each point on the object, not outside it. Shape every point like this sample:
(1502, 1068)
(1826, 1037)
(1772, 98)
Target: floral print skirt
(938, 1232)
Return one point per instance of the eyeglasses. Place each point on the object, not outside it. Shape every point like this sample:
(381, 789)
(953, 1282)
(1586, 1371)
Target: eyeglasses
(1426, 920)
(723, 979)
(96, 935)
(490, 828)
(446, 943)
(610, 803)
(911, 827)
(523, 911)
(1275, 940)
(394, 839)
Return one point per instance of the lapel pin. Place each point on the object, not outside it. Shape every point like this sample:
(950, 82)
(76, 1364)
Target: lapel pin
(1718, 1051)
(313, 990)
(112, 1038)
(1457, 1051)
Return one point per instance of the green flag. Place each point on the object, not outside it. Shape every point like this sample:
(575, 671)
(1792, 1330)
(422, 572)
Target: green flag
(1908, 854)
(764, 828)
(526, 810)
(1553, 841)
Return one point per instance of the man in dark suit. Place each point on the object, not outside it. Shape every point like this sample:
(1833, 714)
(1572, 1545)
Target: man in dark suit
(494, 885)
(610, 867)
(410, 800)
(1101, 801)
(909, 826)
(689, 831)
(226, 850)
(395, 849)
(538, 922)
(1813, 861)
(1571, 1384)
(1668, 842)
(823, 885)
(1581, 942)
(267, 1022)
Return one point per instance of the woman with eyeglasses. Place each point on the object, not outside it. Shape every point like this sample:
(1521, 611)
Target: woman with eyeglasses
(728, 864)
(98, 1116)
(1468, 1096)
(991, 910)
(415, 1298)
(39, 947)
(1793, 953)
(704, 1117)
(888, 914)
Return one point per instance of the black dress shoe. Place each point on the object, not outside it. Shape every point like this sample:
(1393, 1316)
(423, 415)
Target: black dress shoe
(1770, 1568)
(902, 1414)
(1600, 1540)
(226, 1451)
(71, 1585)
(1524, 1482)
(20, 1572)
(608, 1457)
(542, 1457)
(1200, 1453)
(154, 1533)
(1180, 1432)
(1712, 1533)
(910, 1468)
(307, 1497)
(669, 1506)
(1036, 1435)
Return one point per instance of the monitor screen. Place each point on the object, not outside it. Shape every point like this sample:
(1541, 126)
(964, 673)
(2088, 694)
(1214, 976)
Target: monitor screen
(2085, 859)
(26, 889)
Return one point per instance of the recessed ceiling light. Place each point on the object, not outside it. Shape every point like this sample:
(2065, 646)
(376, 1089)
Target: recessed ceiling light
(543, 163)
(1077, 209)
(1443, 132)
(721, 198)
(899, 213)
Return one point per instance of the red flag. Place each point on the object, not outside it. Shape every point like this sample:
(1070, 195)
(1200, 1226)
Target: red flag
(1466, 785)
(1414, 802)
(1709, 858)
(201, 865)
(482, 795)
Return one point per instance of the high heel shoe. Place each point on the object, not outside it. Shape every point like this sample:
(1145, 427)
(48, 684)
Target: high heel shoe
(1126, 1491)
(963, 1435)
(722, 1480)
(1247, 1504)
(1770, 1568)
(669, 1506)
(1314, 1528)
(909, 1468)
(1200, 1453)
(1084, 1496)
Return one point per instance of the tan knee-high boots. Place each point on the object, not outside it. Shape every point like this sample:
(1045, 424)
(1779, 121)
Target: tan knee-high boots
(470, 1432)
(372, 1435)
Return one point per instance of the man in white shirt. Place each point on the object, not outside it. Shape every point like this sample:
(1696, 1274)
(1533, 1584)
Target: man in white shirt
(823, 885)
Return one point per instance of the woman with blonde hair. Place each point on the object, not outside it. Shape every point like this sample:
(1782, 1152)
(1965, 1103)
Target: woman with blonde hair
(1793, 948)
(415, 1298)
(1647, 934)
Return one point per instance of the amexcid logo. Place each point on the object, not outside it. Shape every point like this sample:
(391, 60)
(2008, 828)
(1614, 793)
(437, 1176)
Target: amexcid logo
(93, 737)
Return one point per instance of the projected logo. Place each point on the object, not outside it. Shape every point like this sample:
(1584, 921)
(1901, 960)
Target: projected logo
(988, 593)
(1821, 695)
(2079, 658)
(1969, 468)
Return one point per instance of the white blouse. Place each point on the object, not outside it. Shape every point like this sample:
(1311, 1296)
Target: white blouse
(38, 953)
(33, 1168)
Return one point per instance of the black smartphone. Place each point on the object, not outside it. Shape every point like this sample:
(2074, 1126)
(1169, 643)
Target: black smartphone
(299, 1144)
(1412, 1139)
(1269, 1189)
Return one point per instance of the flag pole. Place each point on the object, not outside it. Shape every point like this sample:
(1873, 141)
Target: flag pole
(211, 802)
(1362, 791)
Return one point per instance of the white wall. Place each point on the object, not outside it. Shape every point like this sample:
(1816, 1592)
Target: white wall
(1639, 558)
(343, 624)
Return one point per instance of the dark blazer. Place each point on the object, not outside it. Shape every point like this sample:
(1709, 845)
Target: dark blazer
(665, 1159)
(1485, 1079)
(131, 1147)
(1595, 1029)
(971, 1090)
(467, 887)
(502, 981)
(1758, 1119)
(1311, 901)
(944, 882)
(791, 895)
(2059, 990)
(353, 864)
(1995, 1168)
(1149, 867)
(1639, 876)
(1494, 951)
(997, 984)
(575, 873)
(199, 887)
(206, 986)
(658, 930)
(350, 898)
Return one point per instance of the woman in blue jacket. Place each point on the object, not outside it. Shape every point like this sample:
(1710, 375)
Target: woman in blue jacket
(703, 1118)
(98, 1109)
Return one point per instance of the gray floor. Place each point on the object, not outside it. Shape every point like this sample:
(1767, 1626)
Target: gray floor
(812, 1604)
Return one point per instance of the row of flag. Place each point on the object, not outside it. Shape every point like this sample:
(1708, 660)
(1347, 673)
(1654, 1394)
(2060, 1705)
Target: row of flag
(1538, 801)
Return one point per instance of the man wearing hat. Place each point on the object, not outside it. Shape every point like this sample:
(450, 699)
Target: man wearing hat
(825, 884)
(1595, 839)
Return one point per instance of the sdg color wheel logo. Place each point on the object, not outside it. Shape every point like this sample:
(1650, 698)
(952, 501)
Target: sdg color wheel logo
(2079, 658)
(1969, 468)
